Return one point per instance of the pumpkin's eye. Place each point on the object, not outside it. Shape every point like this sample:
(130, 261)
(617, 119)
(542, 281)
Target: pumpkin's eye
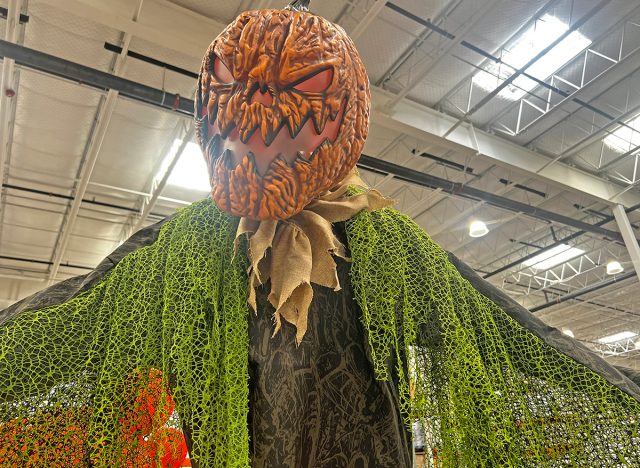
(316, 83)
(221, 72)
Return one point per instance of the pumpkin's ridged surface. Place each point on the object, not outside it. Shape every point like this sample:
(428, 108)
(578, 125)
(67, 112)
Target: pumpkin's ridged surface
(272, 50)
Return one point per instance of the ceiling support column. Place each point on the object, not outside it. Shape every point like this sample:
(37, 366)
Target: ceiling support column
(103, 119)
(8, 67)
(628, 236)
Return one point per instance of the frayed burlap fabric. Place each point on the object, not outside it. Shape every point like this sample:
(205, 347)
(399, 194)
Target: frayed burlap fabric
(293, 254)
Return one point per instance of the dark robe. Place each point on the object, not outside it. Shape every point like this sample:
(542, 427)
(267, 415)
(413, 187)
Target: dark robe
(318, 405)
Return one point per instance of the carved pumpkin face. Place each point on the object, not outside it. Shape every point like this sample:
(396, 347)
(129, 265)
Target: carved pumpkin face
(282, 112)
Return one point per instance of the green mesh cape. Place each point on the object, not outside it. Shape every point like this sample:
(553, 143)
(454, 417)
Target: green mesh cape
(492, 386)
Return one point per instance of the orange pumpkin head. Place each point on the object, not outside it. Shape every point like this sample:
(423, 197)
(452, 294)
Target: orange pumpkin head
(282, 111)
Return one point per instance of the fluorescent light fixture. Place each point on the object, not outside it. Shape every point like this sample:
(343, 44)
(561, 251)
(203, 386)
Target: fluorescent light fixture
(190, 171)
(624, 138)
(568, 332)
(553, 257)
(625, 335)
(530, 43)
(478, 229)
(614, 267)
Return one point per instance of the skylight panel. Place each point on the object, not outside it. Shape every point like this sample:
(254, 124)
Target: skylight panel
(553, 257)
(191, 169)
(546, 30)
(626, 137)
(625, 335)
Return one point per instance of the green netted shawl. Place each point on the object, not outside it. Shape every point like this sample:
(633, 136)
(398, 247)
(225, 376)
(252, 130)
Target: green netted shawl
(488, 391)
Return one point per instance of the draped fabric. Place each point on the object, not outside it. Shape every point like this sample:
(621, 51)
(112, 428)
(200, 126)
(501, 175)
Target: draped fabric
(294, 254)
(491, 384)
(167, 315)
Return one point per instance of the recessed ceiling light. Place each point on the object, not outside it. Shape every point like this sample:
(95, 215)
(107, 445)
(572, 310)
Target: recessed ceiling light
(191, 169)
(625, 335)
(553, 257)
(614, 267)
(530, 43)
(478, 229)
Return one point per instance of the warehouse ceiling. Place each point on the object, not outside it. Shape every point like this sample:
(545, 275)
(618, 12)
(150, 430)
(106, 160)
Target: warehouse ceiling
(524, 115)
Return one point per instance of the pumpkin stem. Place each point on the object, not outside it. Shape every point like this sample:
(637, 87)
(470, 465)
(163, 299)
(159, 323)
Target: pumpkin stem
(298, 5)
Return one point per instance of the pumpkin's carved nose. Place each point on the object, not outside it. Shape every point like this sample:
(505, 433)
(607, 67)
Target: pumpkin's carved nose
(263, 97)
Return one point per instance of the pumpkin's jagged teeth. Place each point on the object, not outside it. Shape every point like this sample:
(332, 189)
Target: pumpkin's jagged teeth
(245, 133)
(294, 126)
(245, 119)
(300, 156)
(212, 111)
(291, 126)
(252, 158)
(326, 115)
(227, 159)
(274, 128)
(317, 111)
(282, 158)
(265, 131)
(333, 114)
(226, 121)
(325, 142)
(295, 122)
(214, 147)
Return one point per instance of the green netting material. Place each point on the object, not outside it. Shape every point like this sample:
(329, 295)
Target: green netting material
(488, 391)
(179, 306)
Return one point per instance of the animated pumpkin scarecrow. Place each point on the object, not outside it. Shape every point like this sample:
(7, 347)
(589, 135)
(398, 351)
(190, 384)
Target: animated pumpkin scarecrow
(298, 320)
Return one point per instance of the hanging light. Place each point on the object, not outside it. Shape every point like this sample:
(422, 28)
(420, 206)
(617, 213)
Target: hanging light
(478, 229)
(614, 267)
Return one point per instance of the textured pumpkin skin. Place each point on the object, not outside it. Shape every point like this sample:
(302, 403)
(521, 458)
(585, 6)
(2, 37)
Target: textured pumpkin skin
(272, 52)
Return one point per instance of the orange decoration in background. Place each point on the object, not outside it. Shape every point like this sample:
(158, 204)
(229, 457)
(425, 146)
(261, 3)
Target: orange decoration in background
(144, 401)
(59, 438)
(60, 435)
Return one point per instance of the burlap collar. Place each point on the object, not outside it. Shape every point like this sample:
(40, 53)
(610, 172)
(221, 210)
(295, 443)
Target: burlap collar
(298, 251)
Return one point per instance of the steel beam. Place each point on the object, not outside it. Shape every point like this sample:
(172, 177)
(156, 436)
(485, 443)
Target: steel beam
(455, 188)
(442, 15)
(629, 236)
(94, 144)
(596, 136)
(81, 74)
(558, 242)
(91, 156)
(91, 201)
(368, 19)
(430, 125)
(583, 291)
(495, 53)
